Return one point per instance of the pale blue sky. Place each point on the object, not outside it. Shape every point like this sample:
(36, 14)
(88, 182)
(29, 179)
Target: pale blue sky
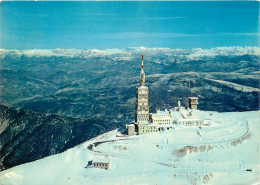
(88, 25)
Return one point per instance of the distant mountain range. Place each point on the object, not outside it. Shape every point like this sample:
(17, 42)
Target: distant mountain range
(101, 85)
(128, 53)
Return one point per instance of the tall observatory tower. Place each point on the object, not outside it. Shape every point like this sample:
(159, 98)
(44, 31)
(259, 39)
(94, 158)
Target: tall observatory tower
(142, 109)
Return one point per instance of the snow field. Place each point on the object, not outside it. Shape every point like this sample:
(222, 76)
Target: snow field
(153, 159)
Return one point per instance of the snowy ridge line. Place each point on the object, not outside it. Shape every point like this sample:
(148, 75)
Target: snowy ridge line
(235, 86)
(127, 52)
(101, 136)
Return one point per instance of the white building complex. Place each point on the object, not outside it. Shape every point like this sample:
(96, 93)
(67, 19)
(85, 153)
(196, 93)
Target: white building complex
(146, 122)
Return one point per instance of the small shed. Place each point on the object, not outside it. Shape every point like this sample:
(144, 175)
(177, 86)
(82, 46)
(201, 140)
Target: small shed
(99, 162)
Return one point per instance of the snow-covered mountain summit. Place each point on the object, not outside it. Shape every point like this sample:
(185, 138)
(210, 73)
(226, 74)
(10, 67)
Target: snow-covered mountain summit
(196, 52)
(226, 153)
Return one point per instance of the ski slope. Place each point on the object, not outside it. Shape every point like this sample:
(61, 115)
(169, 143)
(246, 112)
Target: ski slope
(224, 153)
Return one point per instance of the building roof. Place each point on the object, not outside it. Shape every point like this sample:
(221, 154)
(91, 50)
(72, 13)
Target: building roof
(159, 112)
